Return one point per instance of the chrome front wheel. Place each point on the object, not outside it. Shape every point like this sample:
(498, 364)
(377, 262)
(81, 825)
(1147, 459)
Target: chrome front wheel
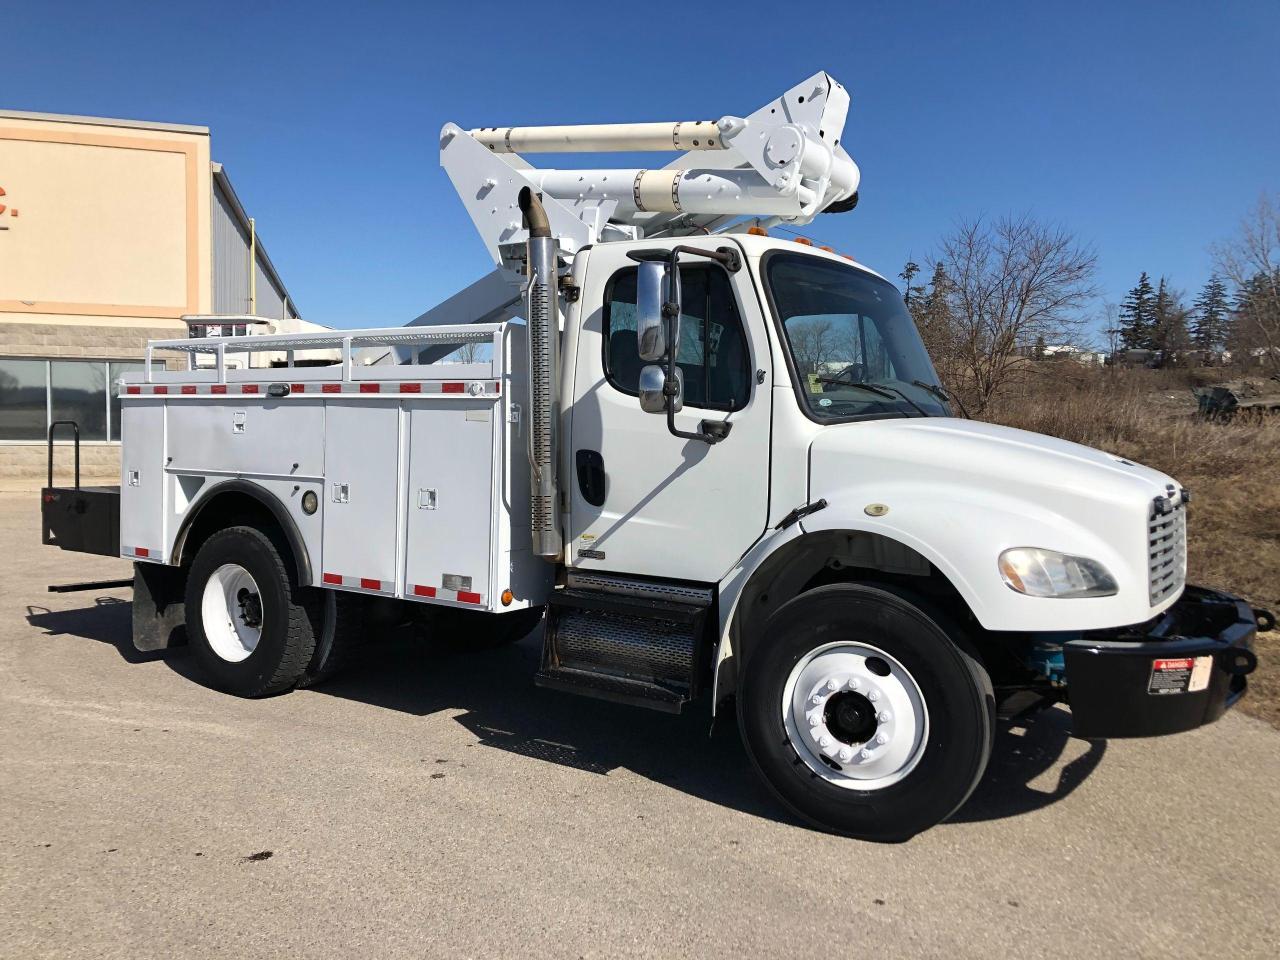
(855, 716)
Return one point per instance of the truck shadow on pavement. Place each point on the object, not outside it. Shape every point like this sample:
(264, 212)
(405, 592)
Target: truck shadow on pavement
(504, 711)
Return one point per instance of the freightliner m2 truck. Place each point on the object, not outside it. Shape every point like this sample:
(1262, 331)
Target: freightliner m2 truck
(705, 461)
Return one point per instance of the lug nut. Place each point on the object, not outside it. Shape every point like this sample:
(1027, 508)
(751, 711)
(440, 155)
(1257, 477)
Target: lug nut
(853, 683)
(816, 698)
(865, 754)
(846, 755)
(814, 720)
(881, 739)
(884, 716)
(833, 685)
(825, 742)
(873, 696)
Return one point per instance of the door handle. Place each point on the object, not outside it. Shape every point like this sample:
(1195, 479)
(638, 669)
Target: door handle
(591, 476)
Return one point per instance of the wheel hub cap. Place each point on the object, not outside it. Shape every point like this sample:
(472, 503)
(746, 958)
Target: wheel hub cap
(855, 716)
(231, 612)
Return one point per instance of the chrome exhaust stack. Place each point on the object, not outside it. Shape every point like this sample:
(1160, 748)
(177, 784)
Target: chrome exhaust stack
(542, 314)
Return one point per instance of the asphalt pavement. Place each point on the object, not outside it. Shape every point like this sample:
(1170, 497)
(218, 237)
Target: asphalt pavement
(433, 805)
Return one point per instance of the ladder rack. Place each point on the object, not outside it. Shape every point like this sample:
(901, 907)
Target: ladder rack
(347, 346)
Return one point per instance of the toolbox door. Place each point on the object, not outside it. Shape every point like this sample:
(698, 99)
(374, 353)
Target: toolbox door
(142, 476)
(449, 509)
(361, 469)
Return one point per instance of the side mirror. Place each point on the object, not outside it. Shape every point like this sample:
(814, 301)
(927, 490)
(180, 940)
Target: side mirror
(651, 326)
(652, 398)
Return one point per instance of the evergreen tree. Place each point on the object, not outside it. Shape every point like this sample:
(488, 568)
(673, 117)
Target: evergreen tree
(1209, 316)
(1138, 316)
(910, 292)
(1169, 327)
(931, 310)
(1255, 314)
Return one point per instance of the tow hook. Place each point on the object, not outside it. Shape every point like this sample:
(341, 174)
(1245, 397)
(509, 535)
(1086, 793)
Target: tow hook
(1238, 661)
(1266, 619)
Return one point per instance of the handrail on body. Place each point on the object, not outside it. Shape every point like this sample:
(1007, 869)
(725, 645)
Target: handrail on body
(75, 427)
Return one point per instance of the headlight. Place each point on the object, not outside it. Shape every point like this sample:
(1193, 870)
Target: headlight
(1047, 573)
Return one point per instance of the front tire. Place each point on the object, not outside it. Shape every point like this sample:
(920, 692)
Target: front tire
(864, 713)
(251, 627)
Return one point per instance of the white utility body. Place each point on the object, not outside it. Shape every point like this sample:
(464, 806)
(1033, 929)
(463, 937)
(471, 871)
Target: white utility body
(708, 460)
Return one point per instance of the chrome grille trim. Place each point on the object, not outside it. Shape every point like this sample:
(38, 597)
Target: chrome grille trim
(1166, 546)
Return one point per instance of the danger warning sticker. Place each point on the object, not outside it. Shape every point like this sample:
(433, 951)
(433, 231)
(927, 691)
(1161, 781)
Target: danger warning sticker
(1180, 675)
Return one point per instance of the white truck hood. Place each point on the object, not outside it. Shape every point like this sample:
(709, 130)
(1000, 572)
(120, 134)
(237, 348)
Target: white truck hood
(961, 491)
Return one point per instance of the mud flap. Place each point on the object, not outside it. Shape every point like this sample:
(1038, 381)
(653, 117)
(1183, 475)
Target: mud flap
(159, 614)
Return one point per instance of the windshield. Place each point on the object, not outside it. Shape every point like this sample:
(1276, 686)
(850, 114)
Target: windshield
(854, 347)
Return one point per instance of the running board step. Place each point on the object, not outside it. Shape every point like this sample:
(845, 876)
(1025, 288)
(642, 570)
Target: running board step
(625, 640)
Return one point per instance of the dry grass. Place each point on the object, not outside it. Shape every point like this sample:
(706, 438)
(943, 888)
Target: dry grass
(1232, 469)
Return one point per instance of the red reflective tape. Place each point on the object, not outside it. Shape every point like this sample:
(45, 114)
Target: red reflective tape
(332, 578)
(218, 388)
(497, 387)
(159, 389)
(452, 387)
(297, 388)
(141, 552)
(188, 389)
(370, 387)
(132, 389)
(248, 388)
(466, 597)
(331, 387)
(410, 388)
(421, 591)
(367, 584)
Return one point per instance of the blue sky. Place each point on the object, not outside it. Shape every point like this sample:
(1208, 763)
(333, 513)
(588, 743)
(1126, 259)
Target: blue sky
(1147, 128)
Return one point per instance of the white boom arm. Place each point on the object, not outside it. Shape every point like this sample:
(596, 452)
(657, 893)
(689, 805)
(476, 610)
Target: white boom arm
(783, 161)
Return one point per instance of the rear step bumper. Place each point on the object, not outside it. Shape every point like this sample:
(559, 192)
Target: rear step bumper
(626, 640)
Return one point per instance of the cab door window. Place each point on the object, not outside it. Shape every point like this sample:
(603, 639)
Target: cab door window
(712, 355)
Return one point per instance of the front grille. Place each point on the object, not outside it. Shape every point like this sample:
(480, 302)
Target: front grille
(1167, 545)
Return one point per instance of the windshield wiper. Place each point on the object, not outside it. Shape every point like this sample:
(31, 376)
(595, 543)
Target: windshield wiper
(942, 393)
(879, 389)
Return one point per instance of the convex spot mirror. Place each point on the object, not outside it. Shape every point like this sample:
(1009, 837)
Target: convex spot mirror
(652, 399)
(651, 326)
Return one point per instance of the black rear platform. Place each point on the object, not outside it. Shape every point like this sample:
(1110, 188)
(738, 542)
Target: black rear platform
(83, 519)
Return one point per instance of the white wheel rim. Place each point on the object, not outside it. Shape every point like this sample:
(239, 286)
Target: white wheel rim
(837, 682)
(231, 610)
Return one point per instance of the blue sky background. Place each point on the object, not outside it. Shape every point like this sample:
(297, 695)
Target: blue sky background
(1147, 128)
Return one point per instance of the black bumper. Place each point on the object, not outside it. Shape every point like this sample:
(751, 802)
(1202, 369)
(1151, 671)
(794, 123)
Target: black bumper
(1180, 671)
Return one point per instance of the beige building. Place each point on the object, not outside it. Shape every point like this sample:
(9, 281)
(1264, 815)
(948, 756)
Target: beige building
(110, 232)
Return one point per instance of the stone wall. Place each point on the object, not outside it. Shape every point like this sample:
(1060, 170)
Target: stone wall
(23, 466)
(53, 340)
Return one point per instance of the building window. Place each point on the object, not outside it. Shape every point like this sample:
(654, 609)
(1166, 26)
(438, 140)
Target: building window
(34, 393)
(24, 399)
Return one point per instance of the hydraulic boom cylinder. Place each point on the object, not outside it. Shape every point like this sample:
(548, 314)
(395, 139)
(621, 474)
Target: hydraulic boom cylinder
(603, 137)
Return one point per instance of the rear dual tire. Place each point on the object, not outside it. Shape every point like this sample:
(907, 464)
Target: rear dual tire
(865, 713)
(251, 627)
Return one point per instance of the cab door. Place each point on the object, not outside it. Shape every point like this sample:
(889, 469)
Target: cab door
(643, 501)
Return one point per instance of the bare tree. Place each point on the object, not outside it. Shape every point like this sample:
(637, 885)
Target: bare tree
(811, 341)
(1251, 262)
(1011, 282)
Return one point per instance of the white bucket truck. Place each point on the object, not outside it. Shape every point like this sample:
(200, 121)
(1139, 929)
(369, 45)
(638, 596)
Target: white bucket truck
(710, 462)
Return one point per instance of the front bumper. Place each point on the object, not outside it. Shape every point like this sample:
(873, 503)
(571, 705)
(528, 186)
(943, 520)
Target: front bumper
(1180, 671)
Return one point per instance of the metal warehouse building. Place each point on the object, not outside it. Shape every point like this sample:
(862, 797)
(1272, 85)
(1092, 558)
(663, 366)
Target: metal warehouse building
(110, 232)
